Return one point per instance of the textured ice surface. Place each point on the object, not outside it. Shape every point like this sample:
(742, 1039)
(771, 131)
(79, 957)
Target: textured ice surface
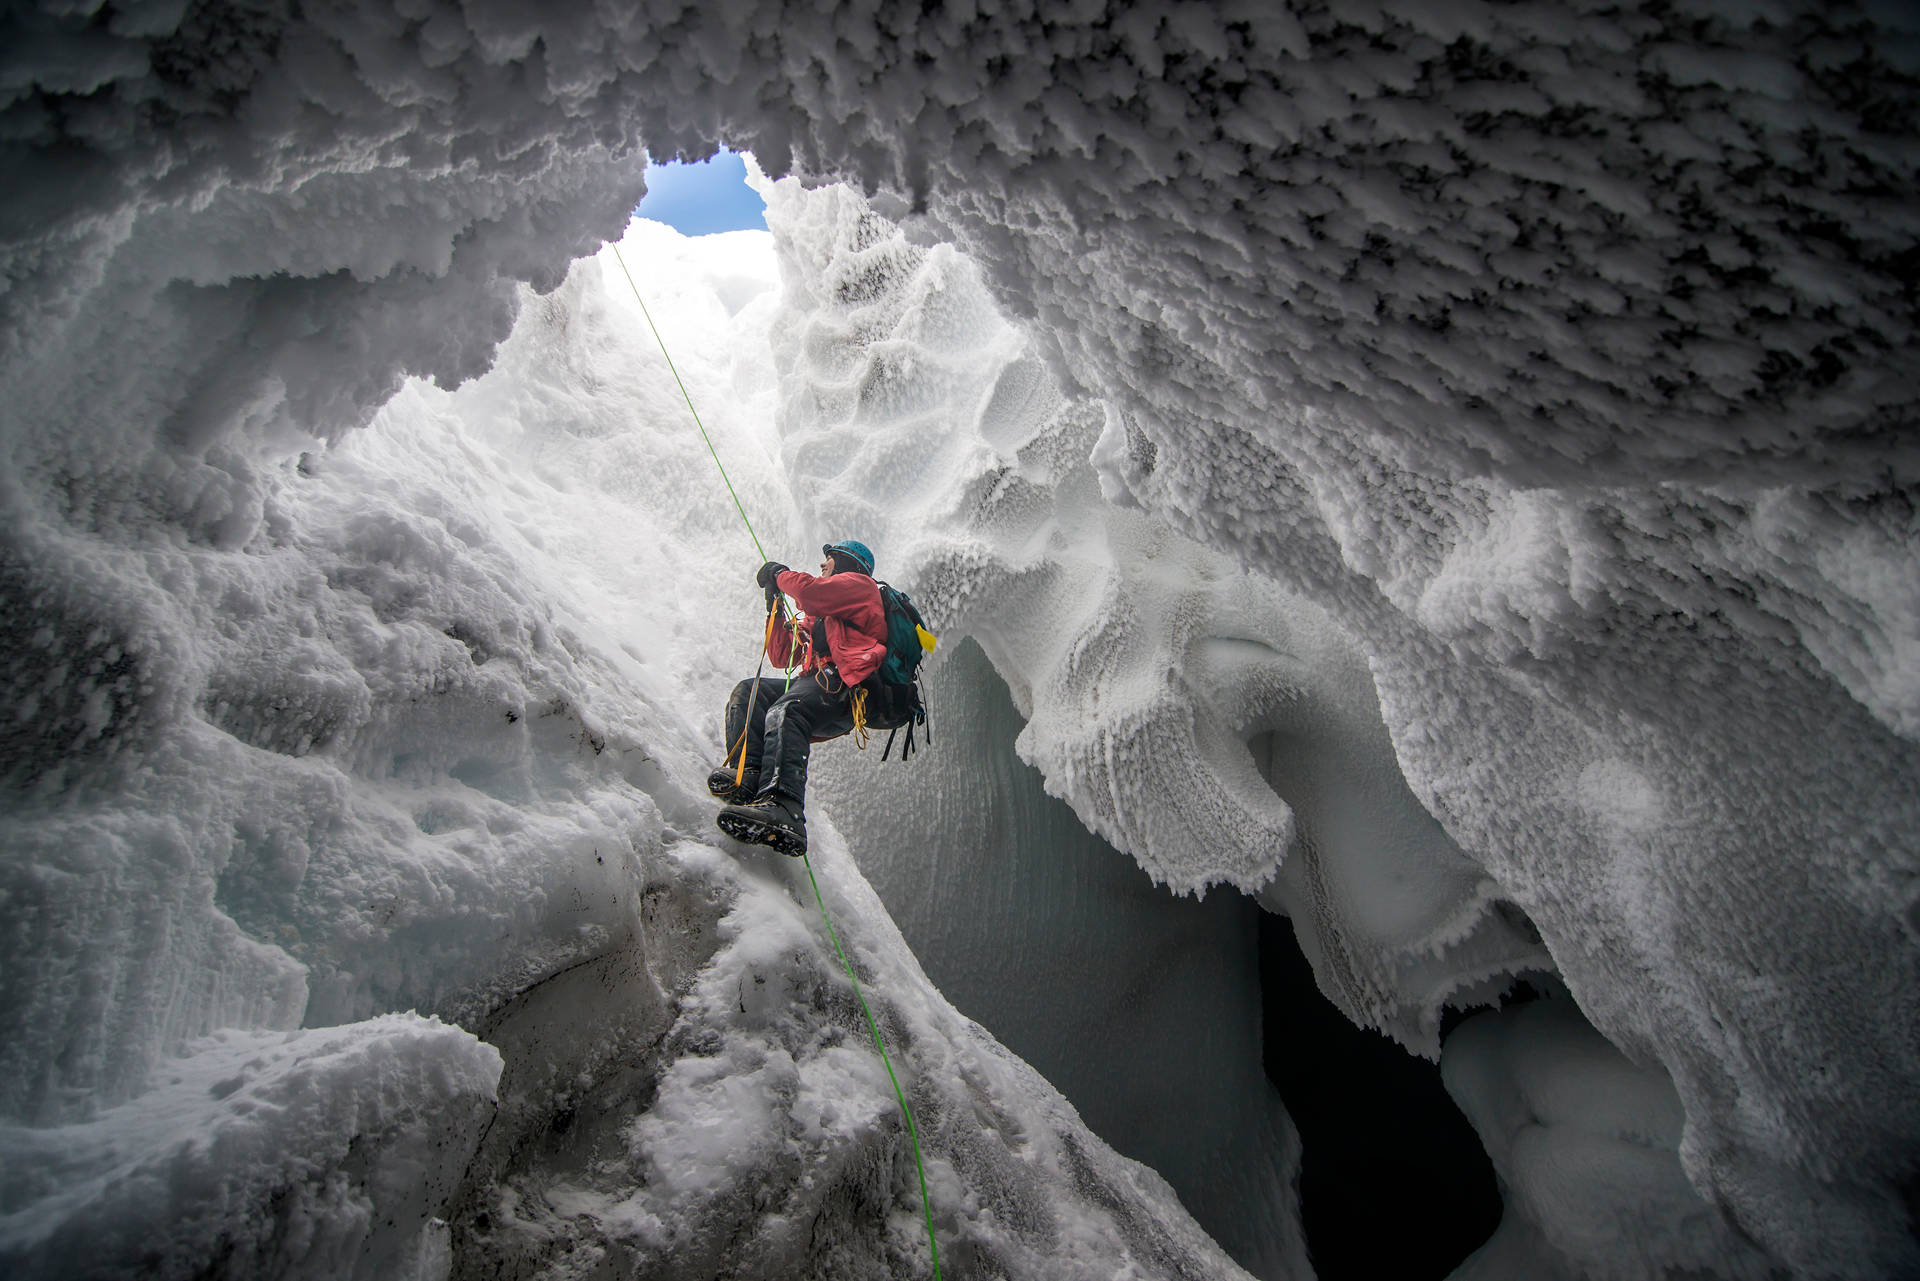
(434, 741)
(315, 1154)
(1143, 1009)
(1586, 1145)
(1144, 664)
(761, 1136)
(1561, 356)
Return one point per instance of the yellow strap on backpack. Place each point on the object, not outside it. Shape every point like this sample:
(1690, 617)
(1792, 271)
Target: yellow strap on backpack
(861, 734)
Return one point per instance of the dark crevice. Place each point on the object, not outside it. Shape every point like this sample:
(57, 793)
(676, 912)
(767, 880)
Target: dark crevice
(1520, 992)
(1393, 1181)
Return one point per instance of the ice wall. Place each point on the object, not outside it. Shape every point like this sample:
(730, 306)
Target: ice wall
(1143, 1009)
(433, 780)
(1561, 355)
(1142, 666)
(1585, 1144)
(1146, 658)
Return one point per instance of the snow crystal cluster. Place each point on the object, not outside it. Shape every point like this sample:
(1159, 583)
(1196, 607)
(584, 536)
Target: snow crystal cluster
(1564, 356)
(914, 414)
(1453, 476)
(405, 946)
(1243, 694)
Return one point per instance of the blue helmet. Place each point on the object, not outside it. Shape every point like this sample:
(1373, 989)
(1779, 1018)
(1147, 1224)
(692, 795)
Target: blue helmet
(852, 551)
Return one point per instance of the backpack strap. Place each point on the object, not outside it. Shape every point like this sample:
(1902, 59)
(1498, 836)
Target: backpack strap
(918, 716)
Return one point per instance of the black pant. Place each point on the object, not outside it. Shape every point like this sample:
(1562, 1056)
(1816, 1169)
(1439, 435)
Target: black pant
(786, 722)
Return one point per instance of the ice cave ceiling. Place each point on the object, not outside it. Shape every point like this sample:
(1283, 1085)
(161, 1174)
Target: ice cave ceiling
(1447, 471)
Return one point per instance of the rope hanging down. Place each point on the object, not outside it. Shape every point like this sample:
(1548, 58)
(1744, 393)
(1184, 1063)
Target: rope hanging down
(689, 399)
(913, 1132)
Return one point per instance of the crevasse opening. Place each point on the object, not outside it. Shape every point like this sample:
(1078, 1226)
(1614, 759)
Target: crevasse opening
(1496, 416)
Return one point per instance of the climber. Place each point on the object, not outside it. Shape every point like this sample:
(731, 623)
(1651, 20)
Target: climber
(839, 639)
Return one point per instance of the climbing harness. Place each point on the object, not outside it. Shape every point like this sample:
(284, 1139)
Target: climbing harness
(913, 1132)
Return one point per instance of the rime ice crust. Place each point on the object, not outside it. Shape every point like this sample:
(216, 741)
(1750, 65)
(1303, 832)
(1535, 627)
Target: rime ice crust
(322, 1153)
(1633, 609)
(914, 410)
(432, 738)
(1215, 727)
(1151, 667)
(1170, 698)
(1526, 341)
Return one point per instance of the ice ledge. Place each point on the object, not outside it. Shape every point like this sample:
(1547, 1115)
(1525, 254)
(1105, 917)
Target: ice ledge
(321, 1153)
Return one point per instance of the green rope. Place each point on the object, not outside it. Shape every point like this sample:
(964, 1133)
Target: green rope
(689, 399)
(913, 1132)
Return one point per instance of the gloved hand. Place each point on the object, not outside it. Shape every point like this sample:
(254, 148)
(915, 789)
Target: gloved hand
(767, 581)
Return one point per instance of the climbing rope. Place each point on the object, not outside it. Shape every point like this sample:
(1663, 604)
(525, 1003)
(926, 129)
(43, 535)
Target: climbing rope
(689, 399)
(913, 1132)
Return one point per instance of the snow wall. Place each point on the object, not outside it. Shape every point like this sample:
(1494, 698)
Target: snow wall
(1546, 368)
(403, 943)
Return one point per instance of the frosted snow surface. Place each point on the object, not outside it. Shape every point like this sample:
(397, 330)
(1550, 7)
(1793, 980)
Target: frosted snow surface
(1139, 664)
(439, 743)
(1550, 363)
(282, 1148)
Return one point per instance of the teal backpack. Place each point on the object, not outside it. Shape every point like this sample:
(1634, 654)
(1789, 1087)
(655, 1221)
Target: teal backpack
(898, 680)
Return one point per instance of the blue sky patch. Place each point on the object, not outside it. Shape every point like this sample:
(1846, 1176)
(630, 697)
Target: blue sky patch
(705, 197)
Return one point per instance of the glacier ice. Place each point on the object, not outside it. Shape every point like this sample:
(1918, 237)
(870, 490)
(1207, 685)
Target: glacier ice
(318, 1153)
(1586, 1143)
(1551, 364)
(1141, 663)
(437, 746)
(1143, 1011)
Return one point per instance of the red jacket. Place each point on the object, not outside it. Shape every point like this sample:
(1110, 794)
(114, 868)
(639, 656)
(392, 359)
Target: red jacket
(856, 624)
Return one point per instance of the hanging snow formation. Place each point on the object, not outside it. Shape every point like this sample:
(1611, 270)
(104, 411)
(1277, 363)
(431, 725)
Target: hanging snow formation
(1557, 359)
(915, 414)
(1142, 657)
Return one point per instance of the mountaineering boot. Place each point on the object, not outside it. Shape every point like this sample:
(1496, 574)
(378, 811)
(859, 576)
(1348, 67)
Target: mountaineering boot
(771, 820)
(721, 784)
